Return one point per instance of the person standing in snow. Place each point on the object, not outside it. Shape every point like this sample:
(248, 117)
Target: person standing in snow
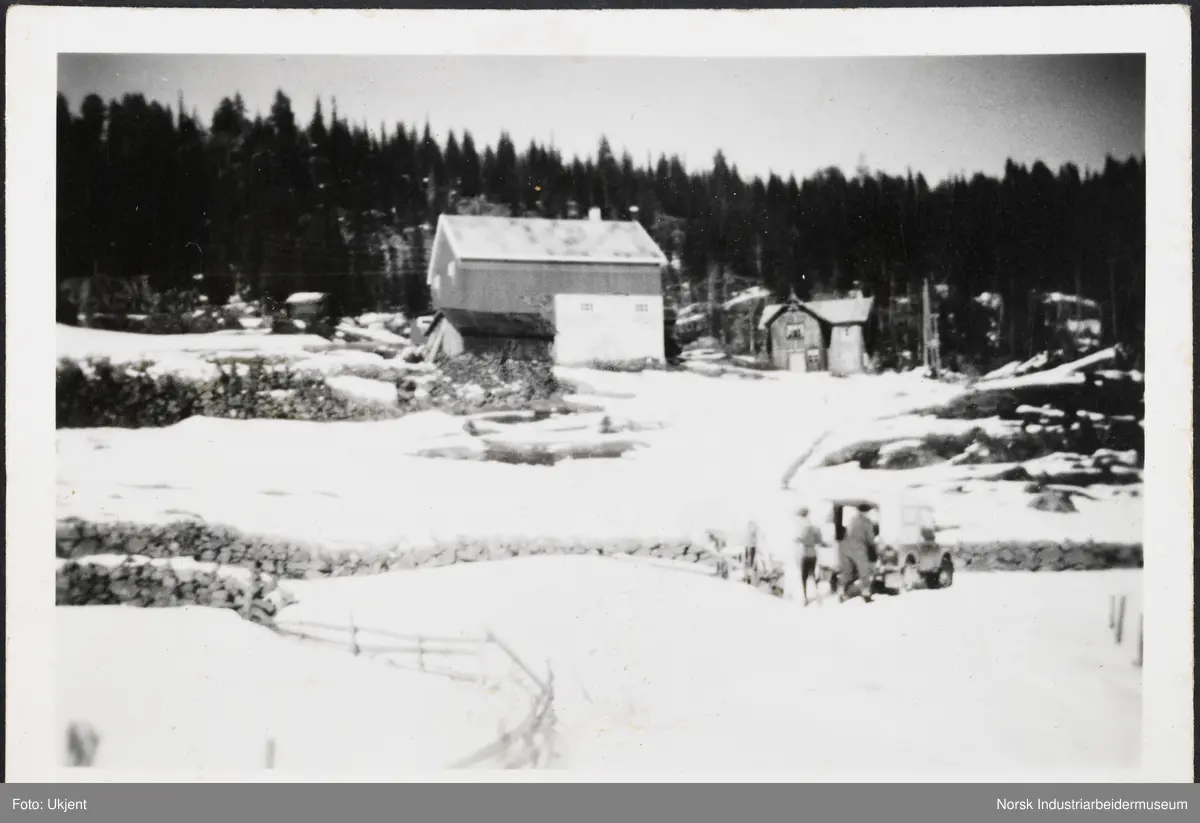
(858, 554)
(750, 555)
(808, 538)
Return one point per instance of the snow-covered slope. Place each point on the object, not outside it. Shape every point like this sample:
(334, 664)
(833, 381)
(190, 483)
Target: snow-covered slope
(666, 672)
(711, 456)
(199, 688)
(712, 448)
(79, 343)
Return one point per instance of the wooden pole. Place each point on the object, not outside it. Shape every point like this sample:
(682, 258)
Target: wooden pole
(1112, 287)
(891, 314)
(270, 752)
(1121, 620)
(248, 605)
(1141, 640)
(1112, 611)
(925, 359)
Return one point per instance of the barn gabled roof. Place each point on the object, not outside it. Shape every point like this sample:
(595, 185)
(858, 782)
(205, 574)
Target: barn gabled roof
(530, 240)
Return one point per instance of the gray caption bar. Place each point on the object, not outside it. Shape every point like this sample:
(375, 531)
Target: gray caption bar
(555, 803)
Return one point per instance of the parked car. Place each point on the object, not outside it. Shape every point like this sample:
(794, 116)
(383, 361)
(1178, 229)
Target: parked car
(907, 550)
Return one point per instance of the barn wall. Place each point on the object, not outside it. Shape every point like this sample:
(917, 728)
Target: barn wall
(446, 286)
(605, 327)
(530, 287)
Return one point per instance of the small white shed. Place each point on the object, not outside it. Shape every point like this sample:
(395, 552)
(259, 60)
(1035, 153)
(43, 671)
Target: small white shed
(608, 327)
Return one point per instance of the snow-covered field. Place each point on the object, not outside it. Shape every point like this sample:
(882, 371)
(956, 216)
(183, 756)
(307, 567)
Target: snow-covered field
(199, 688)
(77, 343)
(658, 669)
(712, 453)
(710, 448)
(668, 671)
(361, 482)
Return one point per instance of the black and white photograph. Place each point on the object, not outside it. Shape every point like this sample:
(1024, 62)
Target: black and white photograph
(632, 416)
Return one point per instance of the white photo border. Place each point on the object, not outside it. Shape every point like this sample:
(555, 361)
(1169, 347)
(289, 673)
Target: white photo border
(37, 35)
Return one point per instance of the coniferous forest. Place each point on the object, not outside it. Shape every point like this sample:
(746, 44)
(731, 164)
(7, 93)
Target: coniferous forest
(269, 205)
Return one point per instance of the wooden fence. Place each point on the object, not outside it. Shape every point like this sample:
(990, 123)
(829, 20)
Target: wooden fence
(1116, 624)
(525, 743)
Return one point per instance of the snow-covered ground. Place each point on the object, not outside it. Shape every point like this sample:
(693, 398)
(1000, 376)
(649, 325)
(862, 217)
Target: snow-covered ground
(712, 452)
(667, 671)
(200, 688)
(660, 669)
(717, 441)
(719, 444)
(79, 343)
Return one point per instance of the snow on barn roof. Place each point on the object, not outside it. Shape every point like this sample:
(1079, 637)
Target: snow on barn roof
(527, 239)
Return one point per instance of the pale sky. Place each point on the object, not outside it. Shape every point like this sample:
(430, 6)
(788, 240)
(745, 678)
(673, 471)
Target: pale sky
(935, 115)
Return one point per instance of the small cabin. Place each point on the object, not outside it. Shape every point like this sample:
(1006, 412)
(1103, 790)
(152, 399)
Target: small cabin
(818, 335)
(307, 306)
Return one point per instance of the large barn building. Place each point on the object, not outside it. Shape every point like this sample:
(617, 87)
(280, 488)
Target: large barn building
(596, 285)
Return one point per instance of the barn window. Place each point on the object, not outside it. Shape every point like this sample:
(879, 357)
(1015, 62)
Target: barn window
(451, 270)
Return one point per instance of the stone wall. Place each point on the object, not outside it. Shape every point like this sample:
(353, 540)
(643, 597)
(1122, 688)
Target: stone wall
(109, 579)
(1047, 556)
(209, 548)
(211, 543)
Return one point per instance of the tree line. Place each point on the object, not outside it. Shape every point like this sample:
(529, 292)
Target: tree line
(270, 205)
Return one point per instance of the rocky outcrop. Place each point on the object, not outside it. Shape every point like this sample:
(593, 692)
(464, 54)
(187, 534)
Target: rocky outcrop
(107, 579)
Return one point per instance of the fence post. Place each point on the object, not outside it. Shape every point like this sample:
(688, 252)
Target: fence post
(270, 753)
(248, 605)
(1141, 640)
(485, 650)
(1112, 612)
(1121, 620)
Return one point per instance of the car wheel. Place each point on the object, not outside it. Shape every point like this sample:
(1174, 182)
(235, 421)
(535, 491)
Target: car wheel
(909, 576)
(943, 578)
